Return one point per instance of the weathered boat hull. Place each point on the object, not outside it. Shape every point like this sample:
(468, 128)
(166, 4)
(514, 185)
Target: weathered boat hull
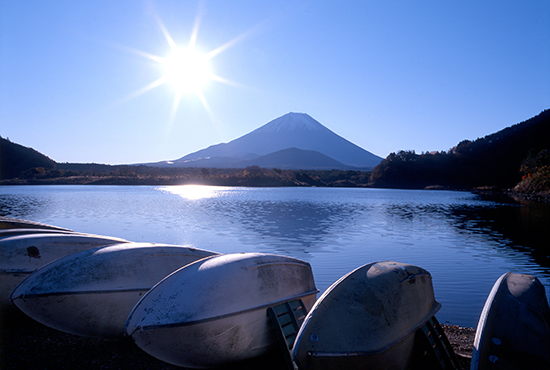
(214, 311)
(21, 255)
(92, 292)
(367, 319)
(5, 233)
(16, 223)
(210, 344)
(514, 327)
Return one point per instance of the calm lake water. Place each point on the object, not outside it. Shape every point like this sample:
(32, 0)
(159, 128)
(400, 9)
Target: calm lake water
(464, 240)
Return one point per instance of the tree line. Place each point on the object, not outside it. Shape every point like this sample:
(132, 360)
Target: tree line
(499, 160)
(99, 174)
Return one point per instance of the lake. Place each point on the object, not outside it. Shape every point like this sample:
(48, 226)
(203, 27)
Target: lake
(464, 240)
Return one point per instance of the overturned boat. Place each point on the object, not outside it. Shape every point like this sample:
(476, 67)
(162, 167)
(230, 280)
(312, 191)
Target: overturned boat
(514, 327)
(92, 292)
(367, 319)
(20, 255)
(17, 223)
(214, 311)
(5, 233)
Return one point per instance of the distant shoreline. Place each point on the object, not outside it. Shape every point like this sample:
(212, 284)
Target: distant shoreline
(136, 181)
(259, 182)
(249, 176)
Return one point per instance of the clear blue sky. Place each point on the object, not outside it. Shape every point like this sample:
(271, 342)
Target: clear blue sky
(386, 75)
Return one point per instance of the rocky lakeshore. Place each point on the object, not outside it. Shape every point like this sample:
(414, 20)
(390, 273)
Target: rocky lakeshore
(26, 344)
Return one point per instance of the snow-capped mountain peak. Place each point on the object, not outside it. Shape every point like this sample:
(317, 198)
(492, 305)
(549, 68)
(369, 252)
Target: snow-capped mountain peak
(293, 130)
(291, 122)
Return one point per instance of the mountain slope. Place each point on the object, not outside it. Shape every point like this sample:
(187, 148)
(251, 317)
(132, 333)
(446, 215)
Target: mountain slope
(494, 160)
(293, 130)
(15, 159)
(294, 159)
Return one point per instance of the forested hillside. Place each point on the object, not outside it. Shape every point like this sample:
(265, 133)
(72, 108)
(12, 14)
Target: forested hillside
(15, 159)
(494, 161)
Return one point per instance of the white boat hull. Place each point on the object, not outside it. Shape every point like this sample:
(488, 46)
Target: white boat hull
(210, 344)
(5, 233)
(514, 327)
(92, 292)
(16, 223)
(367, 319)
(20, 255)
(214, 312)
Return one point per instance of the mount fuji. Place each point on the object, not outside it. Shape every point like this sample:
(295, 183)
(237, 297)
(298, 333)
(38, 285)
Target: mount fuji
(292, 141)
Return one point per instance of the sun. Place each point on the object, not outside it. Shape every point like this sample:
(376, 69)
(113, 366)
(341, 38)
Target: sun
(187, 71)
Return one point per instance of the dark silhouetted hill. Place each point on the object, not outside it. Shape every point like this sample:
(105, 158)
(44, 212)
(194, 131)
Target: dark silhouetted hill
(295, 159)
(492, 161)
(16, 159)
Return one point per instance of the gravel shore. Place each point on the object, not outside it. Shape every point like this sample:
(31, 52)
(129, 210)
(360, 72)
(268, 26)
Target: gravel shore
(26, 344)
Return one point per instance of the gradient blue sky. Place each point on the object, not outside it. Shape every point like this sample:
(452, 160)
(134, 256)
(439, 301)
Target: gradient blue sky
(386, 75)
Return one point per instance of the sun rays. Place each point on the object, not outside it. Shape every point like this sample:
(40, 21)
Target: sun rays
(185, 70)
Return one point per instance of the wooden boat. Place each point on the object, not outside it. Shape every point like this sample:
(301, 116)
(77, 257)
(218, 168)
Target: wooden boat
(92, 292)
(20, 255)
(16, 223)
(367, 319)
(514, 327)
(214, 311)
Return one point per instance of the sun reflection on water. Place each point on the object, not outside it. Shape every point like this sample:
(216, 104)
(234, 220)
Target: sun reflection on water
(194, 192)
